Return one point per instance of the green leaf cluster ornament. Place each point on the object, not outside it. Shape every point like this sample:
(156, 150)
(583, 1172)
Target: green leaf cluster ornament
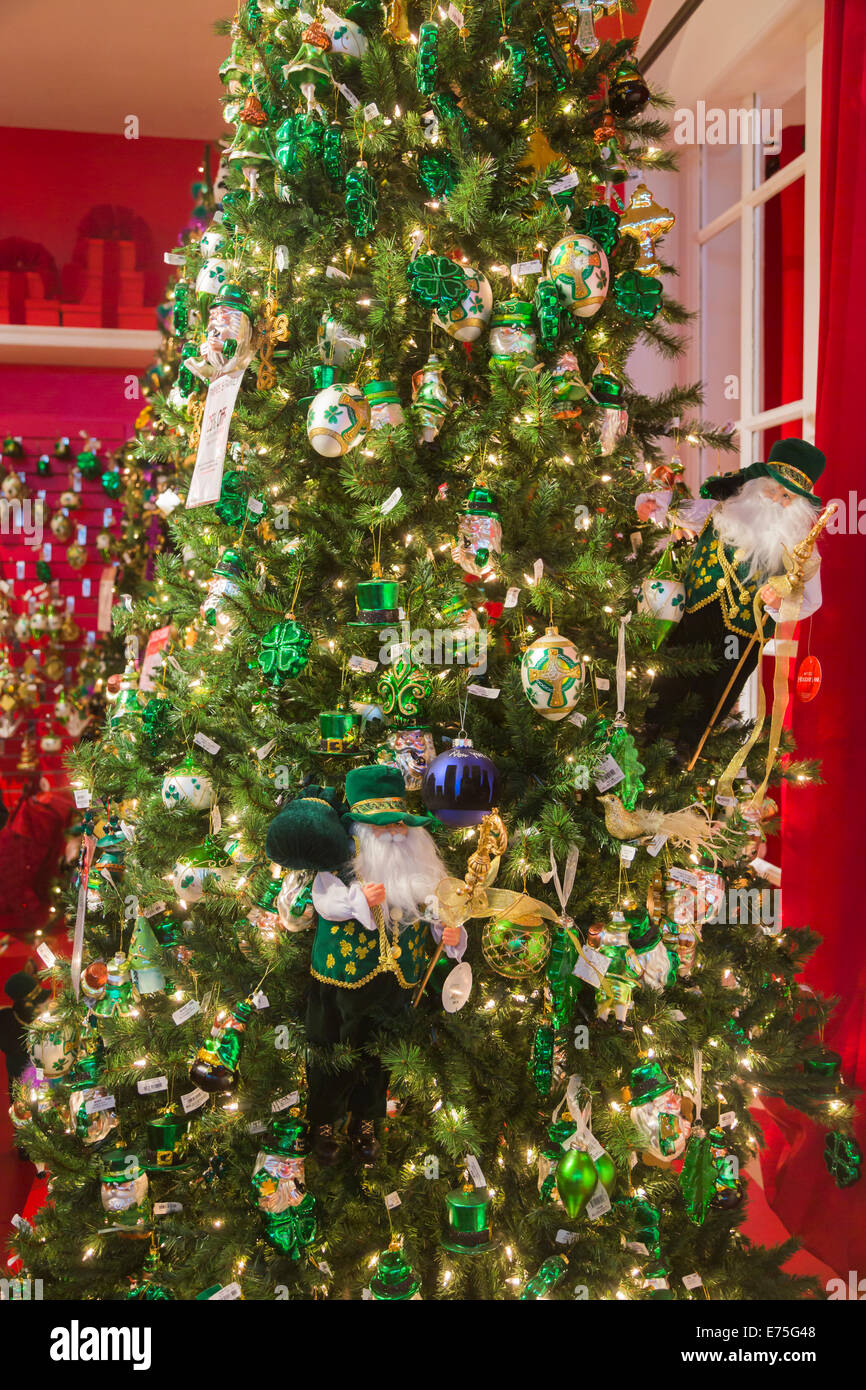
(437, 172)
(548, 313)
(155, 723)
(427, 62)
(637, 295)
(232, 505)
(87, 464)
(698, 1176)
(842, 1157)
(616, 740)
(436, 282)
(284, 652)
(299, 140)
(516, 63)
(601, 223)
(362, 200)
(111, 482)
(402, 687)
(550, 60)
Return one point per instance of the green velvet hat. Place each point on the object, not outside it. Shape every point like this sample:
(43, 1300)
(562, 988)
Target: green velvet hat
(377, 796)
(794, 463)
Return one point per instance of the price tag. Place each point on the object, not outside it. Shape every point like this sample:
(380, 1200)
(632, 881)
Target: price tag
(362, 663)
(456, 16)
(392, 1200)
(598, 1204)
(281, 257)
(186, 1011)
(577, 718)
(193, 1100)
(202, 741)
(602, 683)
(285, 1102)
(44, 952)
(637, 1247)
(230, 1291)
(82, 798)
(565, 1237)
(149, 1084)
(266, 748)
(390, 502)
(511, 597)
(657, 1282)
(216, 819)
(538, 570)
(152, 911)
(562, 185)
(627, 853)
(591, 966)
(206, 482)
(724, 801)
(678, 1016)
(485, 692)
(693, 1281)
(97, 1103)
(684, 876)
(167, 501)
(474, 1169)
(261, 1000)
(46, 552)
(20, 1223)
(608, 773)
(81, 535)
(172, 258)
(371, 111)
(153, 657)
(257, 1127)
(167, 1208)
(349, 95)
(656, 843)
(255, 506)
(333, 272)
(85, 591)
(728, 1120)
(521, 268)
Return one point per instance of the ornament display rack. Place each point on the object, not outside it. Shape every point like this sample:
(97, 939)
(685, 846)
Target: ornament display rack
(77, 593)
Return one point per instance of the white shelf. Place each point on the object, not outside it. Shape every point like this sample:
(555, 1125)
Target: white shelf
(22, 343)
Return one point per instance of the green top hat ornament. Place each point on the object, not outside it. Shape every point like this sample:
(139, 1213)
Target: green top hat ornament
(395, 1280)
(468, 1221)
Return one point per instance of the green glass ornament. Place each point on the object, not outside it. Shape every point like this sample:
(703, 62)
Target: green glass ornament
(541, 1064)
(112, 481)
(447, 108)
(549, 1275)
(637, 295)
(576, 1180)
(332, 155)
(437, 173)
(87, 464)
(436, 282)
(299, 140)
(284, 652)
(468, 1221)
(362, 200)
(516, 63)
(548, 312)
(698, 1176)
(628, 93)
(180, 312)
(217, 1060)
(43, 571)
(843, 1158)
(395, 1280)
(147, 1288)
(601, 223)
(427, 61)
(617, 741)
(43, 466)
(403, 686)
(155, 723)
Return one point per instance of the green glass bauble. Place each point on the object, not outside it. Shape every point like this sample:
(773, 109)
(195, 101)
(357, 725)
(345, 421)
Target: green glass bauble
(576, 1180)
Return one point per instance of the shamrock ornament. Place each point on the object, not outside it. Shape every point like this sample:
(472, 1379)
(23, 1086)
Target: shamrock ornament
(362, 200)
(155, 722)
(601, 223)
(436, 282)
(87, 463)
(284, 652)
(637, 295)
(232, 505)
(842, 1157)
(437, 172)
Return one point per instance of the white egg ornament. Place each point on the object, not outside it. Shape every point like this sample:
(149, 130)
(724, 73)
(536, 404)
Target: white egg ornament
(578, 267)
(190, 875)
(466, 321)
(338, 418)
(188, 785)
(346, 36)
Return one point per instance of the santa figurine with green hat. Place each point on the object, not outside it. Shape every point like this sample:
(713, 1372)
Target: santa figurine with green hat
(746, 526)
(230, 341)
(375, 903)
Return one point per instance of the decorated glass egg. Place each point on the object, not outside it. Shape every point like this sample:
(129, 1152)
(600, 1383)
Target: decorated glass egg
(467, 320)
(578, 267)
(552, 675)
(338, 419)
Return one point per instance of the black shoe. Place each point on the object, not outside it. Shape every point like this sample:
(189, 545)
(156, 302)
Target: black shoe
(326, 1150)
(364, 1142)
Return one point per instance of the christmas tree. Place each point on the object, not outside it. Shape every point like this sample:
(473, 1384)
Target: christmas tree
(406, 631)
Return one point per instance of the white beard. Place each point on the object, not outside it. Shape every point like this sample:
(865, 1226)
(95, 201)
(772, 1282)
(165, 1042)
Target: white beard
(408, 865)
(764, 531)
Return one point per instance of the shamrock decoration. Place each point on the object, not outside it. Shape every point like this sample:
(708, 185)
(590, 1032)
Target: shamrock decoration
(842, 1156)
(111, 481)
(437, 172)
(548, 312)
(284, 651)
(637, 295)
(362, 200)
(601, 223)
(232, 505)
(436, 282)
(299, 138)
(87, 464)
(402, 687)
(155, 722)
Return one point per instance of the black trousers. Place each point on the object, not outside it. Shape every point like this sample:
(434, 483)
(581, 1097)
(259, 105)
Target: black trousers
(351, 1016)
(706, 689)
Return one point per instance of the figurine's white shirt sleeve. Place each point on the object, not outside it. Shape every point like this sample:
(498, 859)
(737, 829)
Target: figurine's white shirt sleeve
(337, 902)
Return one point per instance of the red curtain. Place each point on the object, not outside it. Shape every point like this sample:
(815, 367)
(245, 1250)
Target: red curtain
(823, 843)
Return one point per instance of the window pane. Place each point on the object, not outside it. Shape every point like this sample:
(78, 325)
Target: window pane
(779, 306)
(720, 179)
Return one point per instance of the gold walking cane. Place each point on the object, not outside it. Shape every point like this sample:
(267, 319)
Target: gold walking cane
(793, 583)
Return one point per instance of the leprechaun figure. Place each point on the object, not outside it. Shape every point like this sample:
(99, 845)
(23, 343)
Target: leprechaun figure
(375, 917)
(746, 526)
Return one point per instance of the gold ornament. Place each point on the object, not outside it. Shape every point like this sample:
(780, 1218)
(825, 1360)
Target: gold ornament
(13, 487)
(77, 556)
(275, 329)
(396, 23)
(647, 221)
